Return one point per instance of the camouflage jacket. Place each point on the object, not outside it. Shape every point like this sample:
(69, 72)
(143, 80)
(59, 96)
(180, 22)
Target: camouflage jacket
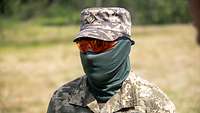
(135, 96)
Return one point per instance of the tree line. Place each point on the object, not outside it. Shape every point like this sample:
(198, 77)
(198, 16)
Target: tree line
(142, 11)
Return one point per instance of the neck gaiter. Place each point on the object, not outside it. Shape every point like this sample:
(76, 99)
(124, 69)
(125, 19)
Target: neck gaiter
(106, 71)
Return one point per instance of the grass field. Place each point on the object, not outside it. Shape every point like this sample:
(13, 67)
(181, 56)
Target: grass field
(35, 60)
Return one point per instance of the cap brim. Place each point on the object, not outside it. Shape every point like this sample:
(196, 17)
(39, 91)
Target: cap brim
(101, 34)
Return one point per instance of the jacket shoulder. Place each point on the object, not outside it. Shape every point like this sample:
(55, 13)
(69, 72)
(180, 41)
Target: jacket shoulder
(152, 98)
(59, 100)
(66, 90)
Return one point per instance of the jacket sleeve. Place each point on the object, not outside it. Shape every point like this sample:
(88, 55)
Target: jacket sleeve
(153, 98)
(161, 100)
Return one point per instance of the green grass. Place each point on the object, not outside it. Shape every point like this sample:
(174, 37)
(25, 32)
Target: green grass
(33, 34)
(36, 59)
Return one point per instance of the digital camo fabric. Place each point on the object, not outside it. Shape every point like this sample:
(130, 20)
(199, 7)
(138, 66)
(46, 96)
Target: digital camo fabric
(136, 96)
(105, 23)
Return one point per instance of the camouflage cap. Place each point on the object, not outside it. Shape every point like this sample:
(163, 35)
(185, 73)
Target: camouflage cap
(104, 23)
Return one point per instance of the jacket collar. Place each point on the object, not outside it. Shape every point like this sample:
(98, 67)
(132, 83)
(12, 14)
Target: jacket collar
(124, 98)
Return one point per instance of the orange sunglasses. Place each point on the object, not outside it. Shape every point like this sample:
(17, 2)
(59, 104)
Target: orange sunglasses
(94, 45)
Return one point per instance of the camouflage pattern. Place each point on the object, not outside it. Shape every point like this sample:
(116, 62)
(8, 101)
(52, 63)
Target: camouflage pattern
(135, 96)
(105, 23)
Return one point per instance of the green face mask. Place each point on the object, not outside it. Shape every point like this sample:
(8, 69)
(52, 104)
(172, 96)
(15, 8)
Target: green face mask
(106, 71)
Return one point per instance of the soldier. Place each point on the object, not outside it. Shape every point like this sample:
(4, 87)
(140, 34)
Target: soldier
(109, 85)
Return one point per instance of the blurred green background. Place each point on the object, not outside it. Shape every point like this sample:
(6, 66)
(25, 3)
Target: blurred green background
(37, 54)
(64, 12)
